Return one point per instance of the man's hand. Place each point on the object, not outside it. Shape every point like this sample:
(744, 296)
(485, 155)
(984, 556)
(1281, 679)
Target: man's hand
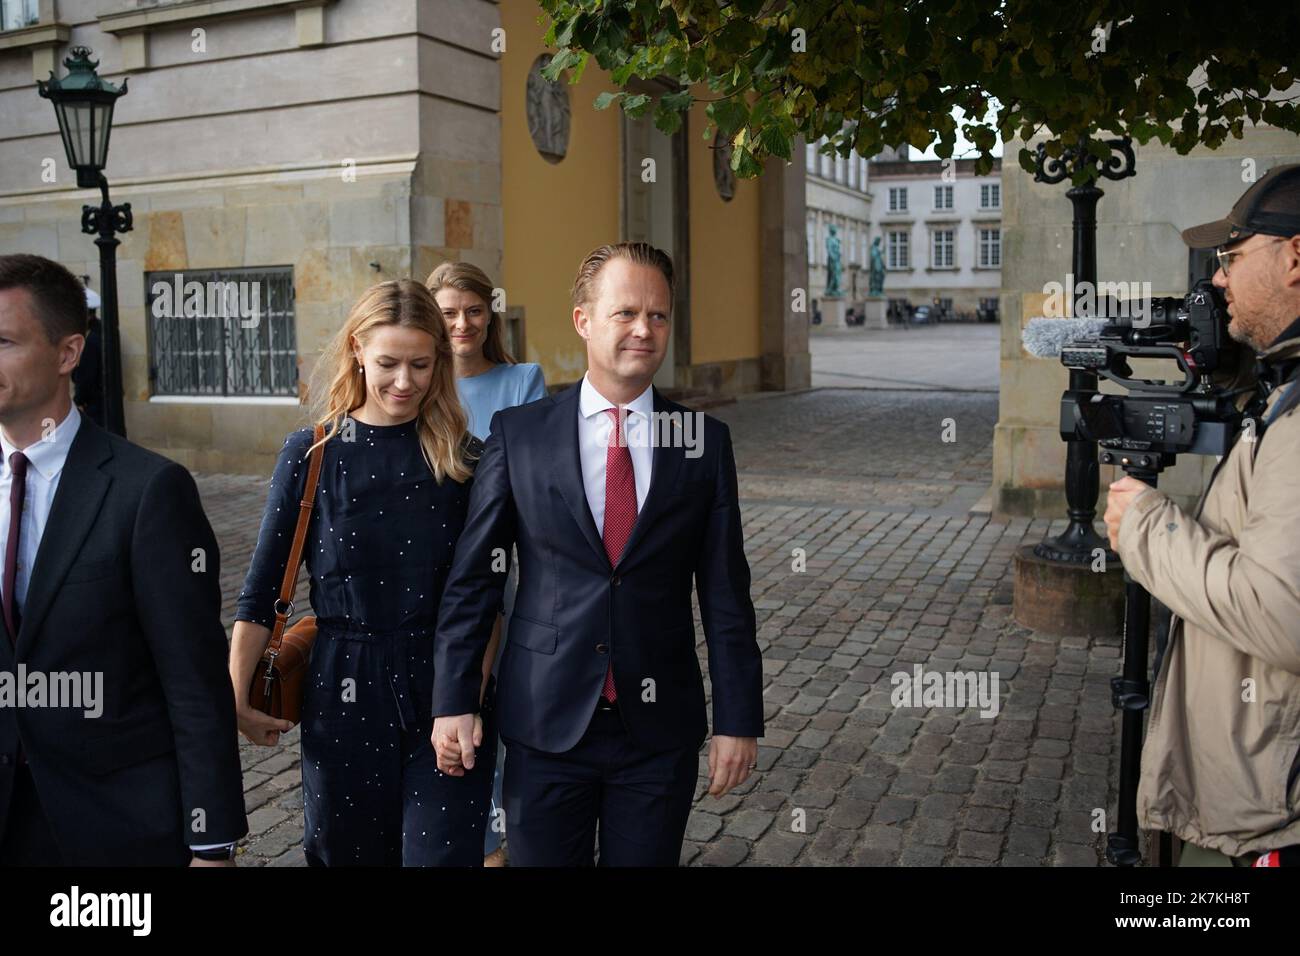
(1121, 495)
(454, 740)
(730, 761)
(261, 729)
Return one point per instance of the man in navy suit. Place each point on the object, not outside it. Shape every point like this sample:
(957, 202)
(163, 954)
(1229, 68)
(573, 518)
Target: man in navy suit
(615, 501)
(111, 574)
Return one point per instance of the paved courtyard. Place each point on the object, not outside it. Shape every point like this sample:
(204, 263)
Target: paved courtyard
(866, 561)
(959, 356)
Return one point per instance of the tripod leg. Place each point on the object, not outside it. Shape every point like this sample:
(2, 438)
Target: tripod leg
(1130, 694)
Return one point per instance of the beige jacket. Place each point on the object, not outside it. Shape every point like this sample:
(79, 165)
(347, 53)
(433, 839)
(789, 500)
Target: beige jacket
(1219, 765)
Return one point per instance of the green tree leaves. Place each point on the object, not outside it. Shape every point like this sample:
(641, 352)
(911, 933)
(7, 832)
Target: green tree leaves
(874, 73)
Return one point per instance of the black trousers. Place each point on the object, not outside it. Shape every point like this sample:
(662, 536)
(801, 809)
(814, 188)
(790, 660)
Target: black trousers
(635, 801)
(27, 839)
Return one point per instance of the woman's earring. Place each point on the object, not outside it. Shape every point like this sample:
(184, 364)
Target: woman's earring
(361, 370)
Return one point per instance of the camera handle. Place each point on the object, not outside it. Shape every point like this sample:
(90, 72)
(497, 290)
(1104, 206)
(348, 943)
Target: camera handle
(1131, 692)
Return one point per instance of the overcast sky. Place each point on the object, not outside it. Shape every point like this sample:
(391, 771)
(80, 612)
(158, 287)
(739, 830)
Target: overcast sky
(963, 148)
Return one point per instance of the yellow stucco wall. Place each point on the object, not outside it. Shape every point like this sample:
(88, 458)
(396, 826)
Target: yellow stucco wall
(554, 214)
(725, 259)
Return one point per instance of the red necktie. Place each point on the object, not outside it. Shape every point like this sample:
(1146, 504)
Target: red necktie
(620, 510)
(17, 492)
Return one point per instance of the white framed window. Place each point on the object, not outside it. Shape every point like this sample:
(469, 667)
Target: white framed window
(898, 199)
(826, 167)
(862, 174)
(898, 253)
(16, 14)
(941, 249)
(942, 197)
(990, 195)
(990, 246)
(812, 241)
(810, 157)
(853, 170)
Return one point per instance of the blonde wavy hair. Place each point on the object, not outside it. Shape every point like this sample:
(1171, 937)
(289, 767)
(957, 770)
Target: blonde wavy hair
(337, 387)
(468, 277)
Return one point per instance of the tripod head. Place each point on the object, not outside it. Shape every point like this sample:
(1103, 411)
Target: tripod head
(1143, 465)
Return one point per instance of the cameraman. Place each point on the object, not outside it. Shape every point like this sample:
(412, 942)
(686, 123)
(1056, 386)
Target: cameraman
(1219, 766)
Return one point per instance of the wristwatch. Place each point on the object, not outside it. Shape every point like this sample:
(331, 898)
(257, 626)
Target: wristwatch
(215, 853)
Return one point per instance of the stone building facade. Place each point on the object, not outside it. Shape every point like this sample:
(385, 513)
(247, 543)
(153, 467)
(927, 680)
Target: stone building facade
(314, 147)
(941, 233)
(838, 195)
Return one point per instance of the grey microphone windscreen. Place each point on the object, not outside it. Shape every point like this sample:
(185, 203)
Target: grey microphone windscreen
(1046, 337)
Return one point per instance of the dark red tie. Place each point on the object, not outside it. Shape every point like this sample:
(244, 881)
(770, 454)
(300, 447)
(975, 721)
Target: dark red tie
(620, 508)
(17, 492)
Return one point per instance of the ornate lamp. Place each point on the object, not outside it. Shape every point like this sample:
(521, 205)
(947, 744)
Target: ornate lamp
(83, 103)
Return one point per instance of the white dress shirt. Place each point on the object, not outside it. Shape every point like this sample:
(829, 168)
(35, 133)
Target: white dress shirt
(45, 458)
(594, 425)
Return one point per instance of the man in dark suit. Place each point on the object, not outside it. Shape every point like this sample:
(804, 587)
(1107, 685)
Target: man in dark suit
(117, 725)
(615, 501)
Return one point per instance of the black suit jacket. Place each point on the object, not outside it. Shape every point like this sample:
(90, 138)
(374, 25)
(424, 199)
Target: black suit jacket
(573, 612)
(114, 590)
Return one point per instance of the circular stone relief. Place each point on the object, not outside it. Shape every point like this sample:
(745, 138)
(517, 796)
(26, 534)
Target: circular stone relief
(547, 107)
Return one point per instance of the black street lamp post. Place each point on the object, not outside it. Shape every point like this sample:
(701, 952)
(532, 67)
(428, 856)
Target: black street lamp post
(1078, 543)
(83, 103)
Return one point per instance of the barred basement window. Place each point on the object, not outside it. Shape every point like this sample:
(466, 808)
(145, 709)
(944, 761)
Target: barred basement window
(228, 332)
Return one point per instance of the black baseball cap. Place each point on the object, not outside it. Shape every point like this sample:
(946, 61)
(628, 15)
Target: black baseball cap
(1271, 207)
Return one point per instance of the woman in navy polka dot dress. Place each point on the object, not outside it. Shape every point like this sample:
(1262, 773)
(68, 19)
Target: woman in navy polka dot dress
(391, 502)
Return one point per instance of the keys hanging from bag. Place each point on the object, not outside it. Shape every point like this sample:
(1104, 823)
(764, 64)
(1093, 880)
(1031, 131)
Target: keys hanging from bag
(277, 686)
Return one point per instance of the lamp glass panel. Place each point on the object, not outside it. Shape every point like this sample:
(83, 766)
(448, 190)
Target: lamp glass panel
(103, 121)
(77, 122)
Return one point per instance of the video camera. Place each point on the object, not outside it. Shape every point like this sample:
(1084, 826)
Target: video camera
(1157, 420)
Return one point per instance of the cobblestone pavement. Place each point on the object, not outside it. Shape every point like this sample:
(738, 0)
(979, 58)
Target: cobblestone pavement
(896, 572)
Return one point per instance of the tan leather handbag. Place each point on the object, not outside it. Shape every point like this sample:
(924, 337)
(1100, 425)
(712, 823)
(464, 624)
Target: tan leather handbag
(277, 686)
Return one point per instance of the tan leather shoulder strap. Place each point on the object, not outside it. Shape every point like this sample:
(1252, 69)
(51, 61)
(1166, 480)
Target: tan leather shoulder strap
(284, 606)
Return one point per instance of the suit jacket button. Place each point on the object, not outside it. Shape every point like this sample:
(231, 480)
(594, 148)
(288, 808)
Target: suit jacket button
(617, 580)
(602, 648)
(5, 760)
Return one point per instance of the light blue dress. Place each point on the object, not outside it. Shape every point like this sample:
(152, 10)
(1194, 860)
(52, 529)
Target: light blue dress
(502, 386)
